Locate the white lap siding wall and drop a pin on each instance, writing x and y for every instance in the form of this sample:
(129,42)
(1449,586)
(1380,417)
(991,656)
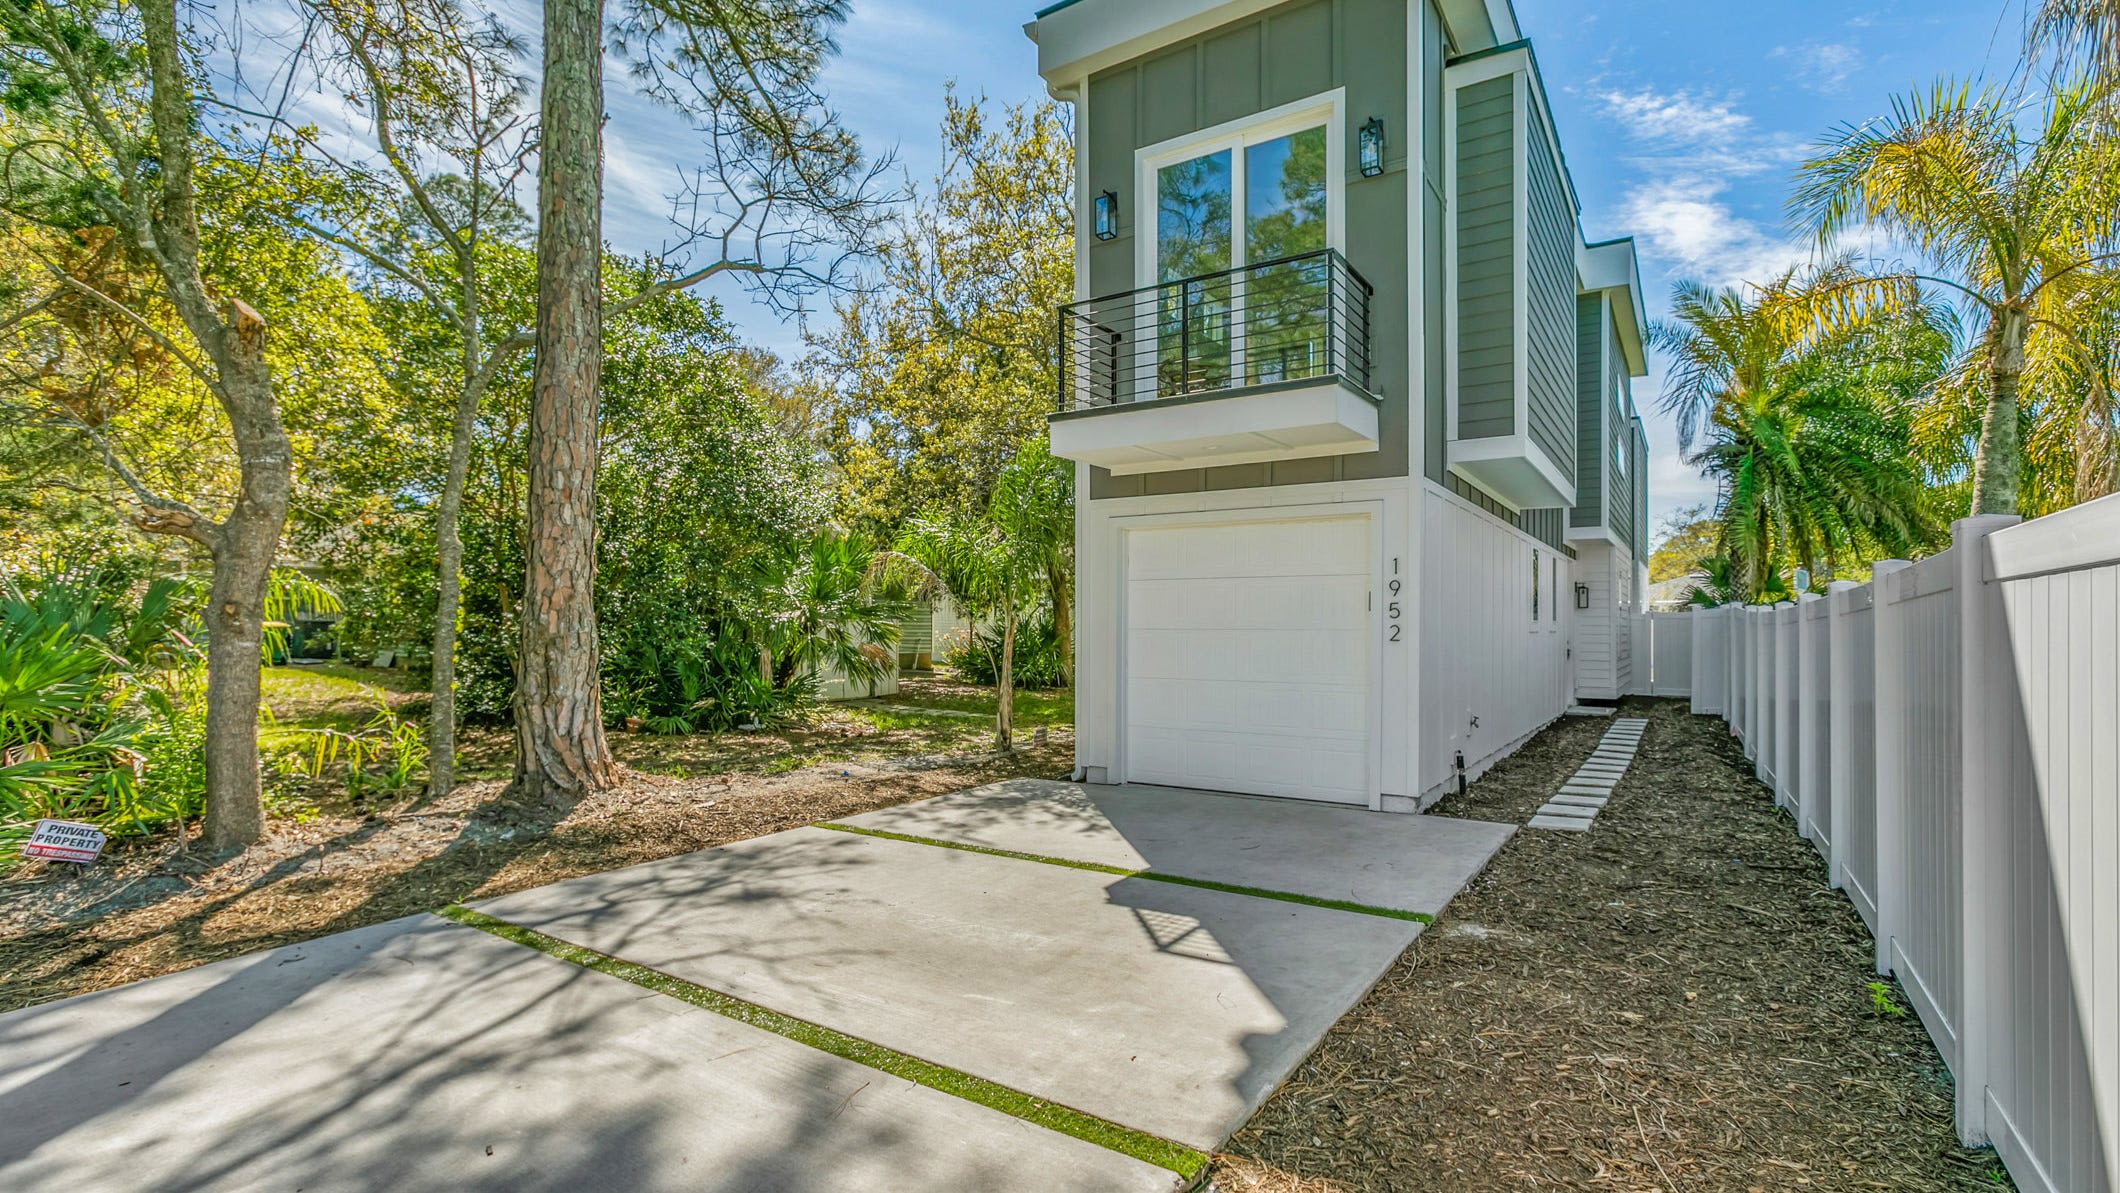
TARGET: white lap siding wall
(1483,656)
(1604,656)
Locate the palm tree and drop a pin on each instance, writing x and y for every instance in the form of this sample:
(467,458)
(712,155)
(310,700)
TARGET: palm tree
(1000,566)
(2068,28)
(1037,493)
(2017,223)
(1810,472)
(1715,584)
(1800,391)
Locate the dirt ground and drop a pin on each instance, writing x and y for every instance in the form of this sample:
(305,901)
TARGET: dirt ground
(1674,1000)
(152,907)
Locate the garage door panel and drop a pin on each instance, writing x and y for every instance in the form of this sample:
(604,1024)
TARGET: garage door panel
(1289,766)
(1268,710)
(1248,653)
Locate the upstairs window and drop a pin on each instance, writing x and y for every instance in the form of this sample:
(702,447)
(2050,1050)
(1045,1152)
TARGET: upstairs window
(1230,203)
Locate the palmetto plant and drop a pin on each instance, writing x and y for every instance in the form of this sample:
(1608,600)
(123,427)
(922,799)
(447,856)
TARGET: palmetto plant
(1716,584)
(82,696)
(829,614)
(2017,223)
(387,752)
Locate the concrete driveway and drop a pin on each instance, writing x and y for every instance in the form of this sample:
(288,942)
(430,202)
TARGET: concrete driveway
(1026,985)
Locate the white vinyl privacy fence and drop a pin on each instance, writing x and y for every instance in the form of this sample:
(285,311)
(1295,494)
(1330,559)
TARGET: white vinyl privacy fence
(1663,654)
(1948,736)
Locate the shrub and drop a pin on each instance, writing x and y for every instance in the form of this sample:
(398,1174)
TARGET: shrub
(102,710)
(1038,663)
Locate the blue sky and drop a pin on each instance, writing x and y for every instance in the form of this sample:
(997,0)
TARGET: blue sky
(1681,122)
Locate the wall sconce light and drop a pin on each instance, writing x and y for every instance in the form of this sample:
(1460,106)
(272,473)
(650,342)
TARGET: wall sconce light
(1582,595)
(1105,215)
(1372,147)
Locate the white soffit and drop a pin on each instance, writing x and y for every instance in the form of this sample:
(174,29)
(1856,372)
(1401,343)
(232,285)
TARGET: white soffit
(1610,266)
(1085,36)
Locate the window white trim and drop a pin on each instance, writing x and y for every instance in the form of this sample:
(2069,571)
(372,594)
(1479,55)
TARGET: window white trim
(1234,135)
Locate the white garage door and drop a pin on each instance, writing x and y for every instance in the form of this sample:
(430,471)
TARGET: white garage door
(1247,658)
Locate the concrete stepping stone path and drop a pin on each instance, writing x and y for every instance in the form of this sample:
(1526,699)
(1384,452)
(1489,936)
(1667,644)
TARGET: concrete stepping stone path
(1575,806)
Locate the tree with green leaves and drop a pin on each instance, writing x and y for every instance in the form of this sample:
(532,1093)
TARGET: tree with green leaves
(935,378)
(120,198)
(2077,32)
(2016,221)
(449,138)
(1686,537)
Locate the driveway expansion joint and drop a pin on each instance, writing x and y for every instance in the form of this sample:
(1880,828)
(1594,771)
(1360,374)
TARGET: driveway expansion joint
(1346,905)
(1188,1163)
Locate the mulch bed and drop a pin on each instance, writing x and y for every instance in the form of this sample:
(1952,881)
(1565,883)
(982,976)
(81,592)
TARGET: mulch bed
(154,908)
(1674,1000)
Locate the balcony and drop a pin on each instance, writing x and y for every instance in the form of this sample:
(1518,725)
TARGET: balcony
(1261,362)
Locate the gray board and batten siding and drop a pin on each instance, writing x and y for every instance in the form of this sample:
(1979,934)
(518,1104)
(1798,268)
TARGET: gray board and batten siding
(1549,357)
(1493,117)
(1226,74)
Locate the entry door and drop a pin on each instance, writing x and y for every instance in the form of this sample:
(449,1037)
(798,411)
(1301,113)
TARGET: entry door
(1247,658)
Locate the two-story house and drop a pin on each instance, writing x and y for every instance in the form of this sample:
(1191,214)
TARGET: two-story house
(1360,481)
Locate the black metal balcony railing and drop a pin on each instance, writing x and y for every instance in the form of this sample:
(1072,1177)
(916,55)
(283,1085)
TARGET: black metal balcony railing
(1296,318)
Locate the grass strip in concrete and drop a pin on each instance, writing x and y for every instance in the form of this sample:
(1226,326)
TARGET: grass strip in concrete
(1205,884)
(1163,1153)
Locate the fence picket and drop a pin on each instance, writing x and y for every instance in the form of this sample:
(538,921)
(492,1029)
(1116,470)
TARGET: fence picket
(1949,737)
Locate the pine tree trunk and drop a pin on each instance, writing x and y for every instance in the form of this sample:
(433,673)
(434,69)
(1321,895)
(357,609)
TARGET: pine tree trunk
(561,753)
(1005,691)
(1995,467)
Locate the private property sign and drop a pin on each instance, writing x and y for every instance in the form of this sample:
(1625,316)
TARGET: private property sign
(64,841)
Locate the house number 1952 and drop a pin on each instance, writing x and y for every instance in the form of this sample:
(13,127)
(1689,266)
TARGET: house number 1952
(1391,604)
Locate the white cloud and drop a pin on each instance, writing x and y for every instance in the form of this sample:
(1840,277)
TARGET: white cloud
(1691,231)
(1822,66)
(1690,150)
(1676,118)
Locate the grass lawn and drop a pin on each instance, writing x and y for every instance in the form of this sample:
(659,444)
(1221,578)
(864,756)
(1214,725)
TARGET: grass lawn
(1055,706)
(330,696)
(346,697)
